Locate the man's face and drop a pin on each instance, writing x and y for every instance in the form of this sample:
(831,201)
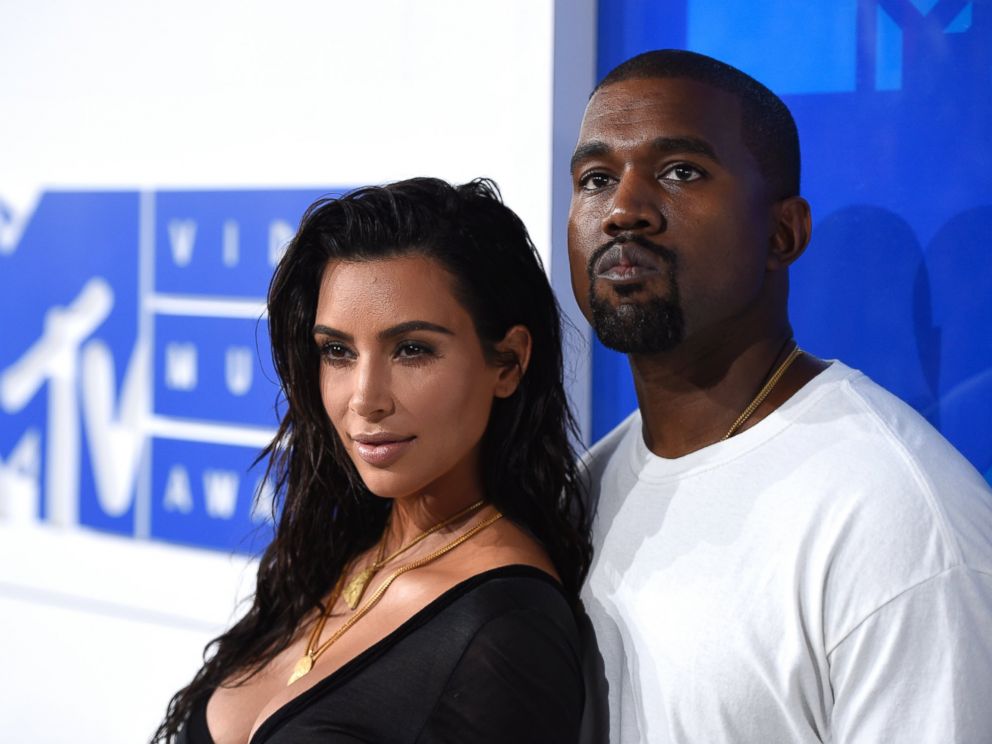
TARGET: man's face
(670,221)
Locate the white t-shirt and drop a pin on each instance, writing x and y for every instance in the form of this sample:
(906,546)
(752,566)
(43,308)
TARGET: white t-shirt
(824,576)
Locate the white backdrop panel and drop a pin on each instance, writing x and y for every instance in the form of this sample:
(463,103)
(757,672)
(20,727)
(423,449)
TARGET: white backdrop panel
(96,631)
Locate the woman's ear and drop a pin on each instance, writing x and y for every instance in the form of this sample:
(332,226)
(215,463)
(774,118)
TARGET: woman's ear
(791,232)
(516,343)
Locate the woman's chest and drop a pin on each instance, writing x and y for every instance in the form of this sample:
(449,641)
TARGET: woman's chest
(235,711)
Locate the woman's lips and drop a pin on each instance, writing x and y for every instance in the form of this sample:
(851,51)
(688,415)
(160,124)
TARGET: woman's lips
(382,453)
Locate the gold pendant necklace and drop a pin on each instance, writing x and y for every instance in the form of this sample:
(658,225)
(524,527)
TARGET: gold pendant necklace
(355,588)
(313,652)
(353,592)
(304,665)
(763,393)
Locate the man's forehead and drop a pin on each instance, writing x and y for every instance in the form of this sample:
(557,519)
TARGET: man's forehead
(661,103)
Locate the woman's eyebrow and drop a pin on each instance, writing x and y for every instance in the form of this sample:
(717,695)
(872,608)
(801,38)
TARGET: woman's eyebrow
(391,332)
(332,332)
(413,325)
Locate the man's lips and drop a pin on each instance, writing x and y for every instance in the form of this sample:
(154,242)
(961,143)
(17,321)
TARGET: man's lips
(626,262)
(381,449)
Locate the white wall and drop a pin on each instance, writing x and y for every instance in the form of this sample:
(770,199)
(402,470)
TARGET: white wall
(297,93)
(96,632)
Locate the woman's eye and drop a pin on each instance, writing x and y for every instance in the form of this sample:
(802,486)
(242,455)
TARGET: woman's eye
(682,172)
(335,353)
(412,350)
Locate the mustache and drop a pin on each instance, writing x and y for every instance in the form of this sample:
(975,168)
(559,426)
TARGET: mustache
(666,254)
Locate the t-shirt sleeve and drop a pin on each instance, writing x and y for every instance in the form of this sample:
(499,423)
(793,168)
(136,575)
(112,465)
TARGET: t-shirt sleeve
(919,668)
(518,681)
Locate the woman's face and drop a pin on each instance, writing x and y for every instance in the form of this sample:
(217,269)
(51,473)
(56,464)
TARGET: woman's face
(403,377)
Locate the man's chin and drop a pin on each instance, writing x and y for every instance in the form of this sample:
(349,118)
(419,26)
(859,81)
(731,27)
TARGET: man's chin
(651,327)
(629,345)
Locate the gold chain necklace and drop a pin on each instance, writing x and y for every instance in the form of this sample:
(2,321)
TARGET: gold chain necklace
(313,652)
(763,393)
(353,592)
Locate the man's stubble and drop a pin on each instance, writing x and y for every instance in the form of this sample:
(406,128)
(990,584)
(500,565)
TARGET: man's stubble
(649,326)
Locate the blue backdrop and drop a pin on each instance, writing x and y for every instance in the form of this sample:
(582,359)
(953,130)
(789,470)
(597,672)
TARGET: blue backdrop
(893,99)
(135,347)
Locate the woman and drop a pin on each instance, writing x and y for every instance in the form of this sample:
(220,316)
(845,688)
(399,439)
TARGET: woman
(432,538)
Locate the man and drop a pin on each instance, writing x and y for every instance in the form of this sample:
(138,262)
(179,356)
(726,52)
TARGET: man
(784,551)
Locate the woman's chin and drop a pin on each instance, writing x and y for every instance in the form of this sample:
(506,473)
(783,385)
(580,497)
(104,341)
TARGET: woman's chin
(385,487)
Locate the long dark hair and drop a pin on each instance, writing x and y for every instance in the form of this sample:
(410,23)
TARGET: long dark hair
(327,514)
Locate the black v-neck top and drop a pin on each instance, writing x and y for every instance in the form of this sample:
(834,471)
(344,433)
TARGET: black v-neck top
(494,659)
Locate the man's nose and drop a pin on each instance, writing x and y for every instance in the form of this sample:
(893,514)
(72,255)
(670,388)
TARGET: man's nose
(636,206)
(371,396)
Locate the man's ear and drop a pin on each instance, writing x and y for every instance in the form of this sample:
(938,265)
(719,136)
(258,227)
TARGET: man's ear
(516,344)
(791,231)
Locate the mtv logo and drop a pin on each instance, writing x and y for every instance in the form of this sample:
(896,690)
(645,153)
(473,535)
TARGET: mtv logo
(135,378)
(821,46)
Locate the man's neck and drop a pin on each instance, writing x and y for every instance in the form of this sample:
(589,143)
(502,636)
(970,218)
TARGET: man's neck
(690,397)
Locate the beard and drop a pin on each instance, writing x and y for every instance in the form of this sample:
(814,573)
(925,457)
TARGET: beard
(649,327)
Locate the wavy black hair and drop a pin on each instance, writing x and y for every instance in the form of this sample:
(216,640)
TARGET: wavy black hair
(327,515)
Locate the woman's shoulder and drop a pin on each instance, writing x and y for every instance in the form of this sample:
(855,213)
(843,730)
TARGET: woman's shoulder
(518,673)
(504,543)
(510,589)
(517,602)
(507,572)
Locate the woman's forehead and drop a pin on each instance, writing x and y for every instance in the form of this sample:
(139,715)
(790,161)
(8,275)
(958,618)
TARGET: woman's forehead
(387,290)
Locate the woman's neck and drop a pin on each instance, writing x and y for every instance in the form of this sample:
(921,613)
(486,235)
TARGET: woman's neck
(413,515)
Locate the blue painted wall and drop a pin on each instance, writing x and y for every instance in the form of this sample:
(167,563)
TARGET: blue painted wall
(893,99)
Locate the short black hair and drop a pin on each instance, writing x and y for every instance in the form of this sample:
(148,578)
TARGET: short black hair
(769,131)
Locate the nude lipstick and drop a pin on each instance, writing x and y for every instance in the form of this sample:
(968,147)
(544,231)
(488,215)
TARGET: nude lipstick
(381,449)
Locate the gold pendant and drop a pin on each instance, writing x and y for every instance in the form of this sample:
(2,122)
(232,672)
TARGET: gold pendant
(303,666)
(352,593)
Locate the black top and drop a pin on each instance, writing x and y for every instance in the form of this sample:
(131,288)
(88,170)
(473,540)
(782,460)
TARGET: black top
(494,659)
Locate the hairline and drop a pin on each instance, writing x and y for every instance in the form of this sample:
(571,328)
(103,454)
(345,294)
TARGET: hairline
(738,98)
(738,95)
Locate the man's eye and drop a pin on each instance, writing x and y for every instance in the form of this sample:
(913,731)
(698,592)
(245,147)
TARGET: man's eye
(682,172)
(593,181)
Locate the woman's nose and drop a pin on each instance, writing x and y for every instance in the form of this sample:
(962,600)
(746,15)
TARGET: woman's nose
(371,397)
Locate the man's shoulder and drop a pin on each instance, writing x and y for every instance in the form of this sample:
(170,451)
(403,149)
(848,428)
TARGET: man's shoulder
(609,451)
(881,432)
(877,457)
(619,440)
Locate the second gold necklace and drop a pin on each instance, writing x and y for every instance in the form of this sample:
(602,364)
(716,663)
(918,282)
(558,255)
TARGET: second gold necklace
(353,591)
(314,651)
(763,393)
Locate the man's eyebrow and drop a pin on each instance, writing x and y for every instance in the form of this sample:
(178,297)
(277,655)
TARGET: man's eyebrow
(695,145)
(664,145)
(391,332)
(592,149)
